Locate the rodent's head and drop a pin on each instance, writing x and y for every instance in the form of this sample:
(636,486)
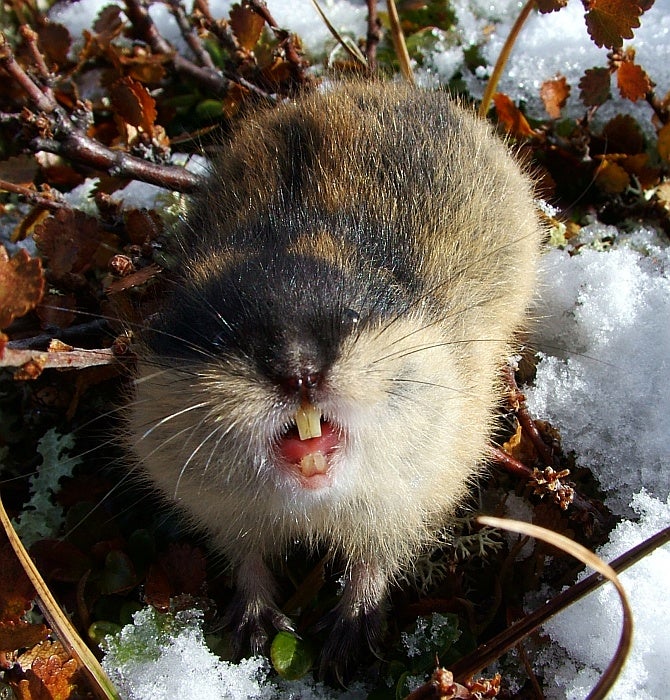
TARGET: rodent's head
(310,368)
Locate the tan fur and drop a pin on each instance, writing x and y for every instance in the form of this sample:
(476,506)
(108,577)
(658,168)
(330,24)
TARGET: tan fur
(412,447)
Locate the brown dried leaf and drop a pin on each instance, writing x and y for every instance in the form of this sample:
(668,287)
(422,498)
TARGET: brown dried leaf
(623,135)
(609,22)
(50,674)
(68,240)
(143,225)
(21,285)
(247,26)
(134,279)
(545,6)
(633,81)
(594,87)
(21,635)
(30,370)
(54,41)
(611,177)
(16,590)
(664,142)
(510,117)
(638,165)
(26,226)
(554,94)
(109,22)
(134,104)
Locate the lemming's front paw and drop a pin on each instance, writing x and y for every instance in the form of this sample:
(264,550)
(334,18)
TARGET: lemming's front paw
(351,638)
(253,625)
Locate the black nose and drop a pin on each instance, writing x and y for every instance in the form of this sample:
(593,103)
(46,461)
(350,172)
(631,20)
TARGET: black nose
(302,383)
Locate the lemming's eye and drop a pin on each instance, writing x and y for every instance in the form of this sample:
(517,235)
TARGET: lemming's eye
(351,317)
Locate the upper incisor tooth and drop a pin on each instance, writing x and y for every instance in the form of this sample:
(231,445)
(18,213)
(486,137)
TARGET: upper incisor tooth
(308,421)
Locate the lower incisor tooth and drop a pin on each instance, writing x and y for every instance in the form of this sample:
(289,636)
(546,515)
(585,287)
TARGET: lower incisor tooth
(314,463)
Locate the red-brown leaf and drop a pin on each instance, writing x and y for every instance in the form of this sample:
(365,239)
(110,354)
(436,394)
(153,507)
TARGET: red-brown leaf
(16,590)
(54,41)
(68,240)
(109,22)
(545,6)
(594,87)
(623,135)
(554,94)
(247,26)
(609,22)
(510,117)
(21,285)
(50,673)
(134,104)
(633,81)
(664,142)
(611,177)
(21,634)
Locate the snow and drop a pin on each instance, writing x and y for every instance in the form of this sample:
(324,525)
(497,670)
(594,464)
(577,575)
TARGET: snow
(604,379)
(603,326)
(163,657)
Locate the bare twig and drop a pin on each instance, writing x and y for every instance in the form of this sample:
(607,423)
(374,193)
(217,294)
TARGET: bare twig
(190,36)
(493,649)
(518,400)
(373,36)
(502,58)
(46,200)
(67,140)
(77,358)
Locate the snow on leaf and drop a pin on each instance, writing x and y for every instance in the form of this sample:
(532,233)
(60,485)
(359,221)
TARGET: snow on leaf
(594,87)
(247,25)
(633,81)
(554,94)
(21,285)
(609,22)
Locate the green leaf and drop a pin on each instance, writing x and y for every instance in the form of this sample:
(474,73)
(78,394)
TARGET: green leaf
(291,656)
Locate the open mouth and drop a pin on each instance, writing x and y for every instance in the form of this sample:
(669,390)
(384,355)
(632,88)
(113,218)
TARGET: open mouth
(307,445)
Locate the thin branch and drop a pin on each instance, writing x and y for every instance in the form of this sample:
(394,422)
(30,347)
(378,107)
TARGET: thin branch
(494,648)
(46,200)
(374,35)
(44,102)
(77,358)
(502,58)
(518,400)
(67,140)
(190,36)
